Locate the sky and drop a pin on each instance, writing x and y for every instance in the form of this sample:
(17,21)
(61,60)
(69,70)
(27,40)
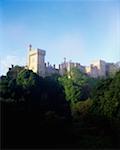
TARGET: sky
(80,30)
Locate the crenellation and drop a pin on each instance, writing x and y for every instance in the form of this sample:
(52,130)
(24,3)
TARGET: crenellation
(98,68)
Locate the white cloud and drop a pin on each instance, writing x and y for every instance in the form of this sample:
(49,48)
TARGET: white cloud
(6,62)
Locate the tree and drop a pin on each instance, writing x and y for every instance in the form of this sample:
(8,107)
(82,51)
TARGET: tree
(81,109)
(4,90)
(30,83)
(8,88)
(106,100)
(78,87)
(13,72)
(54,97)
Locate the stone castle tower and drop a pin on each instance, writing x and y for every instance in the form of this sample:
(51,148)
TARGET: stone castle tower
(36,60)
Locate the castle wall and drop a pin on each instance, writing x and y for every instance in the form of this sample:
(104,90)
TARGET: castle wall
(33,59)
(36,61)
(98,68)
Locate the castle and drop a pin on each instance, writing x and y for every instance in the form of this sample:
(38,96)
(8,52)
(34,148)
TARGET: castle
(98,68)
(36,62)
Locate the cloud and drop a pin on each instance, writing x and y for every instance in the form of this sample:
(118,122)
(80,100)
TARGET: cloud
(6,62)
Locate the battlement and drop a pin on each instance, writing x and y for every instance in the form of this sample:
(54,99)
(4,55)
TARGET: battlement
(36,62)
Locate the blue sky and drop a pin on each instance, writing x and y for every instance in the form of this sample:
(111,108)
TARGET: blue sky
(79,30)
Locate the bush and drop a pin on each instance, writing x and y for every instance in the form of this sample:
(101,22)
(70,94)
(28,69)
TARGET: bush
(81,109)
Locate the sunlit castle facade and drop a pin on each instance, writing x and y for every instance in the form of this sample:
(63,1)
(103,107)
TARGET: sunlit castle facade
(98,68)
(66,67)
(101,67)
(111,68)
(36,60)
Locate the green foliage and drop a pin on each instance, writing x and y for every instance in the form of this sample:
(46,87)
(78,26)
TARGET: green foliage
(78,87)
(106,100)
(54,97)
(4,91)
(13,72)
(36,93)
(27,79)
(9,91)
(44,109)
(81,109)
(78,76)
(72,91)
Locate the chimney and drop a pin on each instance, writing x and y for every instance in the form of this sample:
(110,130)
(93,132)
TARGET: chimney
(30,47)
(64,60)
(48,64)
(9,69)
(12,66)
(54,66)
(59,66)
(45,65)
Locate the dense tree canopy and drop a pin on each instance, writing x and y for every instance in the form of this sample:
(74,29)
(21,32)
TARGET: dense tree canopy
(76,109)
(106,99)
(38,93)
(78,87)
(13,72)
(4,91)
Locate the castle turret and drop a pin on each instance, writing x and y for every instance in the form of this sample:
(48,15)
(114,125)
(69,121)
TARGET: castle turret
(36,60)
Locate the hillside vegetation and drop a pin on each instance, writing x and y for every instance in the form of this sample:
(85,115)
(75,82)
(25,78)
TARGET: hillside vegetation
(59,112)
